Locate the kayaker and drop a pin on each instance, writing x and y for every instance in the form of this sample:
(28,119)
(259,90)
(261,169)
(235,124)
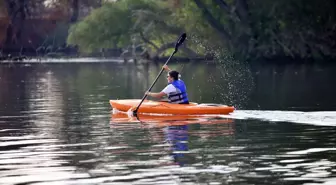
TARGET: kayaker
(176,90)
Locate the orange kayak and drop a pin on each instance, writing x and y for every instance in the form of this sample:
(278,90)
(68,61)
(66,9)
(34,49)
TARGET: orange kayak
(158,107)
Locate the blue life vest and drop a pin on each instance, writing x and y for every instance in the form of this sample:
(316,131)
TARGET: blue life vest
(180,95)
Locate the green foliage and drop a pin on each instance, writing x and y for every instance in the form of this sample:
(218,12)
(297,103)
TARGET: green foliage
(247,29)
(102,29)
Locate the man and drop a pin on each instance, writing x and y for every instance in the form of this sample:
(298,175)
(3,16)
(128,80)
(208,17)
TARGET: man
(176,90)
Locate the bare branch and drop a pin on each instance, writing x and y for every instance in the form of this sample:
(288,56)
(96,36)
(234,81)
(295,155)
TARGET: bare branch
(148,41)
(223,5)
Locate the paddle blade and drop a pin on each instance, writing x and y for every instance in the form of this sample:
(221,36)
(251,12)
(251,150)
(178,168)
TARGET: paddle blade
(180,41)
(131,112)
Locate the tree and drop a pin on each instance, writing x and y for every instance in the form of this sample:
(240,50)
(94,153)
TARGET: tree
(121,23)
(246,29)
(32,23)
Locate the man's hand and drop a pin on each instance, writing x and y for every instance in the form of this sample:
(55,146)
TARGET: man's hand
(165,67)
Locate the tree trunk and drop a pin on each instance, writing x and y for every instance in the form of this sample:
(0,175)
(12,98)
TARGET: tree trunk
(10,4)
(242,11)
(21,20)
(9,35)
(17,15)
(213,21)
(75,11)
(223,5)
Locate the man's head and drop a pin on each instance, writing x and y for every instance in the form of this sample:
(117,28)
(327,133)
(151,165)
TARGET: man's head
(172,75)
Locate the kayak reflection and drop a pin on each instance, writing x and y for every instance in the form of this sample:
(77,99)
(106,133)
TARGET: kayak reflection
(167,120)
(177,130)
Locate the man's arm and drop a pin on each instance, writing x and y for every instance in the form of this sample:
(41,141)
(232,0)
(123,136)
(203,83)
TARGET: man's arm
(168,89)
(156,95)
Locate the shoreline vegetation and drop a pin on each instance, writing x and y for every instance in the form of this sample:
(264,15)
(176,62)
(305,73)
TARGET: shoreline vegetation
(247,30)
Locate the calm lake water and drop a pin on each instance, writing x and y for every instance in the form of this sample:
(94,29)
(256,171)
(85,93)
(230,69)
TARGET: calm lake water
(57,127)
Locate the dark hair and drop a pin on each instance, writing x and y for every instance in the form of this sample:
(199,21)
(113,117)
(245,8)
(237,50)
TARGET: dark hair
(174,74)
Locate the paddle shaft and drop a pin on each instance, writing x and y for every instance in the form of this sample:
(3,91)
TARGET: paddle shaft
(157,77)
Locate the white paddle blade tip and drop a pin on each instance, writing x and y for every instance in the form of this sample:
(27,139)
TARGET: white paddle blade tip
(130,112)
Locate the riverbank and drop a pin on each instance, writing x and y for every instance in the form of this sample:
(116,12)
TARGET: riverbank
(52,58)
(97,58)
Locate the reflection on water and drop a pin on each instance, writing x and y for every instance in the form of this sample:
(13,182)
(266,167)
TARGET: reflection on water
(56,127)
(294,87)
(177,137)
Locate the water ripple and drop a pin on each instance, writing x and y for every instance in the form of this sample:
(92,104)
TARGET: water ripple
(56,128)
